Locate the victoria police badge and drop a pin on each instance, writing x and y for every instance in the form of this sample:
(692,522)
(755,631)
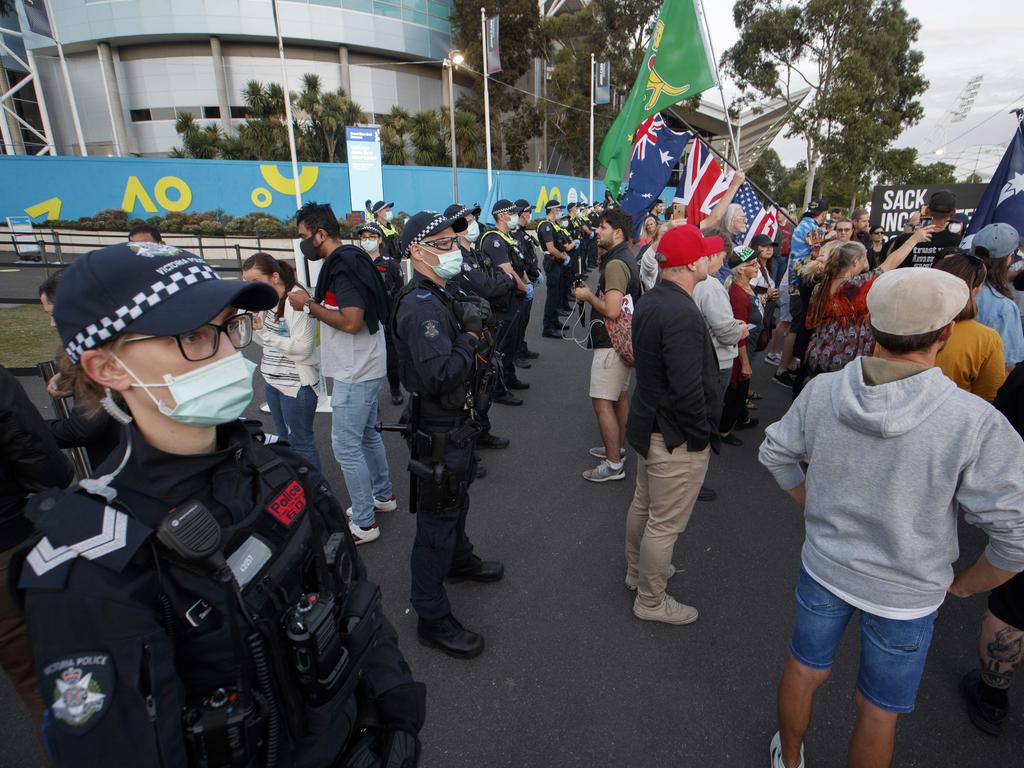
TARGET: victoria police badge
(83,686)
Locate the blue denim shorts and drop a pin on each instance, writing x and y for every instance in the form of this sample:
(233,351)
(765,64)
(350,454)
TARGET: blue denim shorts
(892,652)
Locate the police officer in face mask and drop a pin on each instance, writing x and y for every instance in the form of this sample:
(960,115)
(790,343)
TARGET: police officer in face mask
(531,263)
(437,338)
(200,601)
(383,213)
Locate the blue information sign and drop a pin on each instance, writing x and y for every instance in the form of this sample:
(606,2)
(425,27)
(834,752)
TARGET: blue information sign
(365,169)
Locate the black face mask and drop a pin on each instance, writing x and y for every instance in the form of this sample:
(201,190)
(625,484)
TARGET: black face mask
(309,249)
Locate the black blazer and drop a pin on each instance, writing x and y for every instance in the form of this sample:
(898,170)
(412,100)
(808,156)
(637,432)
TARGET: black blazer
(677,385)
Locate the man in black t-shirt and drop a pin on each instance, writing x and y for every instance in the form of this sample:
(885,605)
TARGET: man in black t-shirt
(941,208)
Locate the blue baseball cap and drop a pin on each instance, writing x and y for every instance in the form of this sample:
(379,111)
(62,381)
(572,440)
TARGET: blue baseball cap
(150,288)
(999,239)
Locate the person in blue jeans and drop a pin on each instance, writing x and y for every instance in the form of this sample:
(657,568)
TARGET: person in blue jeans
(881,533)
(352,306)
(290,364)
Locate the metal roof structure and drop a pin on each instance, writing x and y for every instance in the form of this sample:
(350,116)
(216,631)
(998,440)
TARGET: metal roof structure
(756,127)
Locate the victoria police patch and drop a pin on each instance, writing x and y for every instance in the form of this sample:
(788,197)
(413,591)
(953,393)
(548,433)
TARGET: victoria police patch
(431,329)
(81,689)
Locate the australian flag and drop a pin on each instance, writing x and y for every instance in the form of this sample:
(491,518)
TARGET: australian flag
(1003,200)
(656,152)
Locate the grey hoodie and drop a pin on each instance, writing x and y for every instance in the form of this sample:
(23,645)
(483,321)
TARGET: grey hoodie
(890,465)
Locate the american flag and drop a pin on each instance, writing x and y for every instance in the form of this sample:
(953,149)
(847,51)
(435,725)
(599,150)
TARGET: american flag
(760,220)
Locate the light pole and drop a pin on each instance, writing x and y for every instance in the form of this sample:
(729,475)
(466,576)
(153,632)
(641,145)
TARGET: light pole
(453,60)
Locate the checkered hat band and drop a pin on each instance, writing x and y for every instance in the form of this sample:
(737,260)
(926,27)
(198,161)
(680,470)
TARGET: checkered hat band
(106,328)
(510,209)
(428,229)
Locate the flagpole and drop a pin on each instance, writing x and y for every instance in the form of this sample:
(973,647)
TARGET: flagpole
(67,81)
(591,198)
(287,107)
(487,94)
(718,82)
(730,165)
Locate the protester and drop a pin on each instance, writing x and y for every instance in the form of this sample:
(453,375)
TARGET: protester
(650,229)
(290,363)
(843,230)
(30,461)
(746,309)
(734,221)
(876,247)
(389,264)
(996,244)
(609,374)
(765,287)
(351,304)
(673,420)
(144,233)
(861,226)
(937,214)
(882,539)
(806,242)
(838,311)
(973,356)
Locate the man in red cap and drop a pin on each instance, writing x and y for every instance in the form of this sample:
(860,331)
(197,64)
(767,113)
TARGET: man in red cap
(673,419)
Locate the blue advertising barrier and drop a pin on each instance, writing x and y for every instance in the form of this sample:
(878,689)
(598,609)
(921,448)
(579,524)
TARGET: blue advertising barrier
(47,188)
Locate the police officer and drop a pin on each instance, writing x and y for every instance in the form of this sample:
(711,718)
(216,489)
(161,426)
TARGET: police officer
(437,339)
(383,213)
(528,248)
(200,601)
(557,244)
(372,239)
(502,250)
(479,277)
(594,219)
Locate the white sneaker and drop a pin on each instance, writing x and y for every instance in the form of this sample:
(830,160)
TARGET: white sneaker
(775,752)
(379,505)
(604,472)
(631,584)
(773,358)
(602,453)
(364,535)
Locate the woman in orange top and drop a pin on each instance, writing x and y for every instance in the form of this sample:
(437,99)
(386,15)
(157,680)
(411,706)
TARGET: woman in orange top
(973,356)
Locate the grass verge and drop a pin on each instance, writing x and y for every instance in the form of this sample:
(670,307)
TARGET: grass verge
(26,337)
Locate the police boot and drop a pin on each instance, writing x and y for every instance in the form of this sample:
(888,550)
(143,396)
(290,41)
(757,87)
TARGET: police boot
(449,636)
(476,569)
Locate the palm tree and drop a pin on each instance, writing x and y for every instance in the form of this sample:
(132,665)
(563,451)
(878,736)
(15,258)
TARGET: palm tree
(429,142)
(338,110)
(393,130)
(202,142)
(469,139)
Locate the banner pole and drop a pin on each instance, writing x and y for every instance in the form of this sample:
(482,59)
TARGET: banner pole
(67,82)
(487,95)
(287,107)
(718,82)
(592,64)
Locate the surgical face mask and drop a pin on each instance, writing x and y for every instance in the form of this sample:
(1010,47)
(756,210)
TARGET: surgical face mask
(955,227)
(310,249)
(449,263)
(513,223)
(473,231)
(217,393)
(388,214)
(368,245)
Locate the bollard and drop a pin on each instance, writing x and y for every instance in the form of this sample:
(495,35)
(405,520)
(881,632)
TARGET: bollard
(238,257)
(200,239)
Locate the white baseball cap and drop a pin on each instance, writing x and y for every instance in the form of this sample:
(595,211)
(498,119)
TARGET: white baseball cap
(909,302)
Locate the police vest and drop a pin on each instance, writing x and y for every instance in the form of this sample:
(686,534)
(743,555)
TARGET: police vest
(515,255)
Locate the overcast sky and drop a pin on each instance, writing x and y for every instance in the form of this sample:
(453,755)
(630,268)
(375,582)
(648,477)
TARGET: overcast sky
(959,40)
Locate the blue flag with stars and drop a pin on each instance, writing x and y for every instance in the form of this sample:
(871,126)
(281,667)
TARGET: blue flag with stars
(1003,200)
(656,152)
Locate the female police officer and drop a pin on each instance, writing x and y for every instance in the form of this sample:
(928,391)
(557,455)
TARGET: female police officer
(200,601)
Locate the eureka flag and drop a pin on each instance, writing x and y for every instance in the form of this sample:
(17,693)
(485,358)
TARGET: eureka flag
(677,65)
(1003,200)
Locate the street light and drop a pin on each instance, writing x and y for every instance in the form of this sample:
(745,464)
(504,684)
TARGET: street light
(453,60)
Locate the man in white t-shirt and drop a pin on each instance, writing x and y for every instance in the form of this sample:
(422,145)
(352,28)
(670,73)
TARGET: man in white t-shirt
(352,307)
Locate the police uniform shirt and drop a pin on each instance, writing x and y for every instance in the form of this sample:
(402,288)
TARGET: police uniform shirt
(546,233)
(496,249)
(440,353)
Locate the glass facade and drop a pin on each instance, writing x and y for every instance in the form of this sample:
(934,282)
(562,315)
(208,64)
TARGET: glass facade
(434,14)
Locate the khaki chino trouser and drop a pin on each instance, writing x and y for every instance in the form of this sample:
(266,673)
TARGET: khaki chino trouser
(667,485)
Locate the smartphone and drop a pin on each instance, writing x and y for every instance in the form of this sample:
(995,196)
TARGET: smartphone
(925,222)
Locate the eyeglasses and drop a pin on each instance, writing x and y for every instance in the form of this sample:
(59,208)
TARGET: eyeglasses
(442,243)
(202,343)
(844,229)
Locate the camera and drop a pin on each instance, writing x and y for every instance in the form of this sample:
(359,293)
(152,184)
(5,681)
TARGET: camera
(318,656)
(225,729)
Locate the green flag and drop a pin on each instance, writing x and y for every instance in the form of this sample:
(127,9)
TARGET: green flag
(676,66)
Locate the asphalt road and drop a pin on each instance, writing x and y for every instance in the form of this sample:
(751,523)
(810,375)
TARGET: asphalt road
(569,677)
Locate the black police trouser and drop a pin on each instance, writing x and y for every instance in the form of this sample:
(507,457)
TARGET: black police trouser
(524,320)
(441,542)
(553,277)
(509,343)
(568,273)
(392,362)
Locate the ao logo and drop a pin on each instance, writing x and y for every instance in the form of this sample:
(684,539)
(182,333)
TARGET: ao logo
(571,196)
